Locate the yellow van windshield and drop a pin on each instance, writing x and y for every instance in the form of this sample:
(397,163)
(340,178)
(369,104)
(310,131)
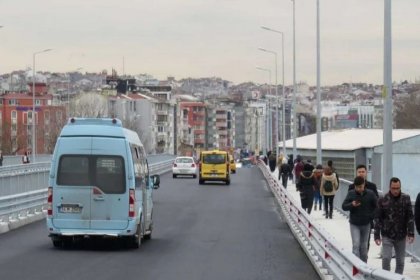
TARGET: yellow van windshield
(214,159)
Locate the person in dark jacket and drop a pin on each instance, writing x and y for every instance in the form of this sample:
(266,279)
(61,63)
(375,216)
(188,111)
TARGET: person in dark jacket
(417,213)
(362,172)
(284,172)
(306,187)
(272,161)
(298,168)
(394,222)
(361,203)
(290,162)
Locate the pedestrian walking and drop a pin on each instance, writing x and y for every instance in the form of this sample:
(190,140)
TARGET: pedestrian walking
(306,187)
(25,158)
(298,168)
(317,193)
(361,203)
(290,163)
(272,161)
(417,213)
(394,225)
(284,172)
(333,170)
(328,188)
(361,171)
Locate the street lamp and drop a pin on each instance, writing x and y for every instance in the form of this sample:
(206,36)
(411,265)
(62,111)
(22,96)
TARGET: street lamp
(387,96)
(294,86)
(33,104)
(269,139)
(277,101)
(318,89)
(284,97)
(68,90)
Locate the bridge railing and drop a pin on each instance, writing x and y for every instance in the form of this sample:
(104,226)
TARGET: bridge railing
(329,259)
(23,190)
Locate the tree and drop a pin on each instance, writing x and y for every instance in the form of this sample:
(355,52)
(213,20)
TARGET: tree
(406,112)
(89,105)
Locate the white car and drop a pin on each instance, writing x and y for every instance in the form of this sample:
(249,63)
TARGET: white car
(184,166)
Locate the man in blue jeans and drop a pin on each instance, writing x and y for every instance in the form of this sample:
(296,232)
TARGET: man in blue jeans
(394,221)
(361,203)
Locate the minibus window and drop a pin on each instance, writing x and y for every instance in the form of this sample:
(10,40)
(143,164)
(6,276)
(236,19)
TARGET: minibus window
(109,174)
(73,171)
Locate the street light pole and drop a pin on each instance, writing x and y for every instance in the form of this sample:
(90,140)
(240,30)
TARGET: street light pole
(387,96)
(283,94)
(33,104)
(318,89)
(268,112)
(277,101)
(294,86)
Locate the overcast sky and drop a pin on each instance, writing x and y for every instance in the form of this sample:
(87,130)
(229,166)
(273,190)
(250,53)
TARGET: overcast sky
(204,38)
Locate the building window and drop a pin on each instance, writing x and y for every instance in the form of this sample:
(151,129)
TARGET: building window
(37,102)
(12,102)
(160,129)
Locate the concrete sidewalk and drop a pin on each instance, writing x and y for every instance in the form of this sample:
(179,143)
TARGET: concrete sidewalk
(339,227)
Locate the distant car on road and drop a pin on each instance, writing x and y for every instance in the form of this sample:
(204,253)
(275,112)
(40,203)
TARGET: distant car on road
(184,166)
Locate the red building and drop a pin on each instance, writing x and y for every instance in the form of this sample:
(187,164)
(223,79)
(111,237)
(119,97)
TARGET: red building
(16,121)
(192,125)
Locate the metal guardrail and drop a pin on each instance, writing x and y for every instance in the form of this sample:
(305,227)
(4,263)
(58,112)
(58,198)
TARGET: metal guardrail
(20,203)
(330,260)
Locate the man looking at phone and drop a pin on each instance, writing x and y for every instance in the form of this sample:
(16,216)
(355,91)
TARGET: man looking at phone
(361,203)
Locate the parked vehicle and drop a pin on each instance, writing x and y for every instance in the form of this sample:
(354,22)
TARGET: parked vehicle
(232,164)
(99,184)
(214,166)
(184,166)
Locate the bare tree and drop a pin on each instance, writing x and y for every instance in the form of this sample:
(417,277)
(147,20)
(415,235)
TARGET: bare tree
(406,111)
(90,105)
(144,137)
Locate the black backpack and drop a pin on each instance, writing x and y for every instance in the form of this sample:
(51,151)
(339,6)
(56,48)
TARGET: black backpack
(328,186)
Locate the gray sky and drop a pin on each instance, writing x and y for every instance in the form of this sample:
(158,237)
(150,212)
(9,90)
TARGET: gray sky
(203,38)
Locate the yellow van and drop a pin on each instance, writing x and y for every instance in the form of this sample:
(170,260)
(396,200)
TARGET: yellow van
(232,164)
(214,166)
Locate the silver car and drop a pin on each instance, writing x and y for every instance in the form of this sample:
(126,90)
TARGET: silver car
(184,166)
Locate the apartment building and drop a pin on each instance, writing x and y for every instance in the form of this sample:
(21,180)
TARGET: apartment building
(191,128)
(17,120)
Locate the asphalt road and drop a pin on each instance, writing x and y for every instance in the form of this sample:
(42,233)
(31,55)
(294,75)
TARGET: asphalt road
(210,231)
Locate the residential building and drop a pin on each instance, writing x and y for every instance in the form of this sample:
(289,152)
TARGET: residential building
(191,128)
(16,121)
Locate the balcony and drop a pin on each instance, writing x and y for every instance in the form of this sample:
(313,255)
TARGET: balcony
(161,112)
(199,113)
(198,141)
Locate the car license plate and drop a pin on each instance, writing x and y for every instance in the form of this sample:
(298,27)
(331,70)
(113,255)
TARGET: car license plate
(70,209)
(213,175)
